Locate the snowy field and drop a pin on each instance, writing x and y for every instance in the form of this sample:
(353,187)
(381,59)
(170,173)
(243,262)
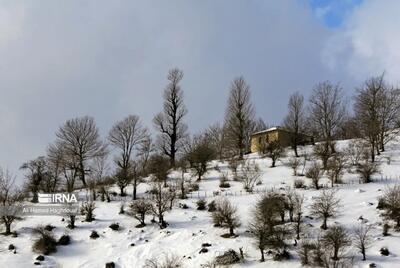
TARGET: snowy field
(189,228)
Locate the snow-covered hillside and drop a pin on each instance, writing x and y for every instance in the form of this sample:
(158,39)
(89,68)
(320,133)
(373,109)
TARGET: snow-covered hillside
(189,228)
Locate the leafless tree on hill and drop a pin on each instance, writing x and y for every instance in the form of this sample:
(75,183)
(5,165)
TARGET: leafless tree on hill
(170,122)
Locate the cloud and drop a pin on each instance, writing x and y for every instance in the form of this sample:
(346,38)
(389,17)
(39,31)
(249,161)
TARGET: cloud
(369,42)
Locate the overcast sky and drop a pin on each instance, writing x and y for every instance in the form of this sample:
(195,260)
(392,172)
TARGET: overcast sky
(62,59)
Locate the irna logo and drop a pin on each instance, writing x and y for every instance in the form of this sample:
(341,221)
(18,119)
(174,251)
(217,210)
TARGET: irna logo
(58,198)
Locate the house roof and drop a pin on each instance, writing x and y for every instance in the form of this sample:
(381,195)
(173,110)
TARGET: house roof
(268,130)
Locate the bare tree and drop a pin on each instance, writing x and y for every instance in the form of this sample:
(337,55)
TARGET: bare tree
(217,138)
(159,167)
(250,174)
(336,166)
(200,152)
(10,198)
(264,224)
(294,164)
(140,164)
(170,121)
(274,150)
(325,206)
(226,215)
(37,171)
(367,107)
(298,204)
(80,140)
(239,116)
(87,209)
(337,240)
(324,152)
(160,202)
(99,168)
(327,111)
(391,201)
(125,135)
(366,169)
(362,238)
(295,119)
(314,172)
(139,209)
(69,166)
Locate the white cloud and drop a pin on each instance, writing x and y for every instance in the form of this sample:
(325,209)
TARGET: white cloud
(369,42)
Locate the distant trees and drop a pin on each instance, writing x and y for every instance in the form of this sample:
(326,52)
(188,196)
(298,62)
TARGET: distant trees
(325,206)
(126,135)
(170,122)
(327,112)
(10,197)
(80,140)
(239,116)
(295,119)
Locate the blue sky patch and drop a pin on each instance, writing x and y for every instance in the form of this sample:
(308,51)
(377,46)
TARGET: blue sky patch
(332,13)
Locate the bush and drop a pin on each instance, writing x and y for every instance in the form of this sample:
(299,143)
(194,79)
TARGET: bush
(114,226)
(45,243)
(227,258)
(167,261)
(87,210)
(298,183)
(385,231)
(384,251)
(194,187)
(201,204)
(391,199)
(64,240)
(94,235)
(225,215)
(366,169)
(223,182)
(49,227)
(212,206)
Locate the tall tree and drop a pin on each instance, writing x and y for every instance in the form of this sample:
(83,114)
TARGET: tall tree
(327,112)
(81,140)
(170,121)
(126,135)
(367,106)
(295,119)
(239,117)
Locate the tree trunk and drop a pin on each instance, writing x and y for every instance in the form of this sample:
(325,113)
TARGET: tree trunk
(262,255)
(231,231)
(8,228)
(324,225)
(134,185)
(363,253)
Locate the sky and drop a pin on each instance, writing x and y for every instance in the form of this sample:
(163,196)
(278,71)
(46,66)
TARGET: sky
(109,59)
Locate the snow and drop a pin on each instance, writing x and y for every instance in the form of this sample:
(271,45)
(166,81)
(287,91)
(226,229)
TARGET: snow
(189,228)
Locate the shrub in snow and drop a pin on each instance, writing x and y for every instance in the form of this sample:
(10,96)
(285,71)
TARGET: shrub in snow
(167,261)
(225,215)
(64,240)
(201,204)
(336,166)
(227,258)
(194,187)
(366,169)
(114,226)
(49,227)
(110,265)
(139,209)
(363,239)
(212,206)
(249,175)
(11,247)
(385,230)
(94,235)
(40,258)
(384,251)
(298,183)
(304,252)
(45,243)
(294,163)
(223,181)
(87,209)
